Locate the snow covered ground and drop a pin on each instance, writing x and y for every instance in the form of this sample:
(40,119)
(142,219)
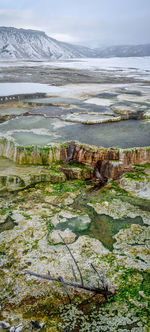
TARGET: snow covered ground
(7,89)
(130,63)
(139,63)
(67,91)
(124,67)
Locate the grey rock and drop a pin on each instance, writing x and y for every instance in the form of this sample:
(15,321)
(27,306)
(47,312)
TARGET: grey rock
(19,328)
(12,329)
(4,325)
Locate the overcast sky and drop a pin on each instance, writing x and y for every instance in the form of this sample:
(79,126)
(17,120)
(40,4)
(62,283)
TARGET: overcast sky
(87,22)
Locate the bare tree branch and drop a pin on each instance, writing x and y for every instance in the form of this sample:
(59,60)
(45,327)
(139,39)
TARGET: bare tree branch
(101,277)
(65,288)
(73,272)
(97,290)
(73,259)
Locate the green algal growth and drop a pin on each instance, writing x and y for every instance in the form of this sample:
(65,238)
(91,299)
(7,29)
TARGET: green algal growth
(143,167)
(136,176)
(128,151)
(44,155)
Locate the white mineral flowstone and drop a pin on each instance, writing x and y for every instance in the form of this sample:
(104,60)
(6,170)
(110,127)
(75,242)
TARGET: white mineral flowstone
(67,235)
(139,188)
(132,247)
(70,217)
(91,118)
(147,114)
(126,109)
(70,199)
(134,98)
(99,101)
(30,249)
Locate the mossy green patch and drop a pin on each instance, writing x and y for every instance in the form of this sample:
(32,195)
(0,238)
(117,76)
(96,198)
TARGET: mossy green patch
(69,186)
(109,258)
(3,140)
(50,227)
(136,176)
(35,244)
(131,285)
(64,145)
(128,151)
(108,193)
(142,167)
(43,308)
(113,191)
(27,216)
(3,211)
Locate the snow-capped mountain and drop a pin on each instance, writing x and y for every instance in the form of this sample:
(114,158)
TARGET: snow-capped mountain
(33,44)
(123,51)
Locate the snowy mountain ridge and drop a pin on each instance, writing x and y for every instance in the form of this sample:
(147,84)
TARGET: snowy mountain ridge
(123,51)
(34,44)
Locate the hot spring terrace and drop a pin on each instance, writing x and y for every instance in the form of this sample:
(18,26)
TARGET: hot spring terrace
(82,123)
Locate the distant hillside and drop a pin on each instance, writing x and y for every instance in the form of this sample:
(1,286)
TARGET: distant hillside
(34,44)
(123,51)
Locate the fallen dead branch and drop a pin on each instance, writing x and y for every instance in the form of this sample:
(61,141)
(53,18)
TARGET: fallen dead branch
(81,285)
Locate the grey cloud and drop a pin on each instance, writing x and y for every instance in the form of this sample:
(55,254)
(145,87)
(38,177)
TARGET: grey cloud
(86,30)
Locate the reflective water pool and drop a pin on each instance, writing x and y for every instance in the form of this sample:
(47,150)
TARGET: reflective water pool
(37,130)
